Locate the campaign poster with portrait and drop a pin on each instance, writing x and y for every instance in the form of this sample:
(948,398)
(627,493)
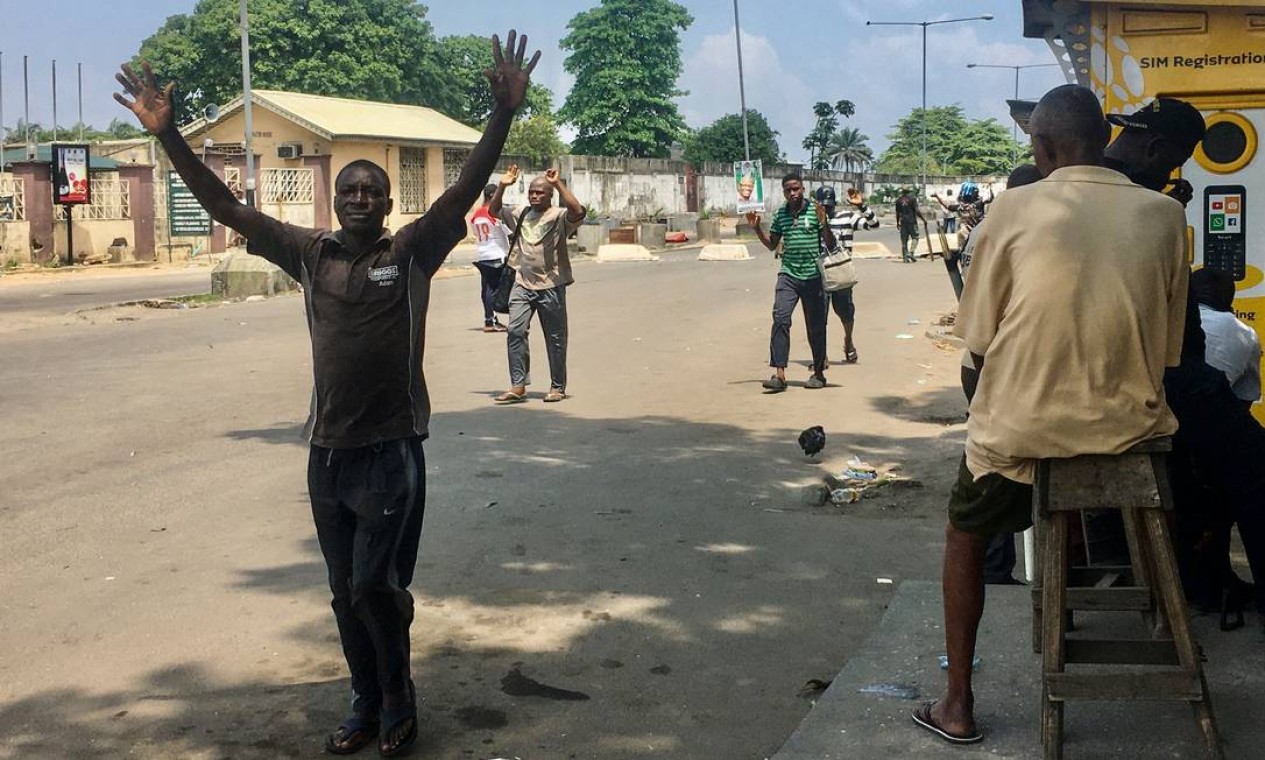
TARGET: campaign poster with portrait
(71,183)
(749,186)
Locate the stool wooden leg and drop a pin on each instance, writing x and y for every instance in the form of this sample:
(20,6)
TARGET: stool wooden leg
(1168,587)
(1053,602)
(1143,563)
(1039,529)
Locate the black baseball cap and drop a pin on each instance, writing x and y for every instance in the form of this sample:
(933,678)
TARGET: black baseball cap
(825,195)
(1175,120)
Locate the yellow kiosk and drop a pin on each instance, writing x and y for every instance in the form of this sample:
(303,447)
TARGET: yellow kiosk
(1210,53)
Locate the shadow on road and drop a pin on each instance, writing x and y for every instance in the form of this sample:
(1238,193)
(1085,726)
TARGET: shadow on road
(667,569)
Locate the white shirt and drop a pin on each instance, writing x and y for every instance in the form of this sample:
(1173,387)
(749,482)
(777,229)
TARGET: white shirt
(493,238)
(1235,349)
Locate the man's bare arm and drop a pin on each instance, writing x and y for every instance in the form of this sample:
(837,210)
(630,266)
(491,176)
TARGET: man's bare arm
(508,79)
(769,241)
(153,107)
(497,201)
(575,209)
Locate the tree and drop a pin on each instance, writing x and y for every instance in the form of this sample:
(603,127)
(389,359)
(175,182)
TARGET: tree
(382,50)
(827,122)
(535,137)
(722,140)
(122,130)
(847,149)
(465,57)
(955,145)
(626,58)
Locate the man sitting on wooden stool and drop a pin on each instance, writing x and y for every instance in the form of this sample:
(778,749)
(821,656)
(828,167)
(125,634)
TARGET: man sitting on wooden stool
(1074,306)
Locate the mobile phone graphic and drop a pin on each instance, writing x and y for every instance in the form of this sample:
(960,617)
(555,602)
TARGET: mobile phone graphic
(1225,217)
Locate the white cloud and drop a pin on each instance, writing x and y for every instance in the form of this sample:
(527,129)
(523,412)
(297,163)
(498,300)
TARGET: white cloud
(772,88)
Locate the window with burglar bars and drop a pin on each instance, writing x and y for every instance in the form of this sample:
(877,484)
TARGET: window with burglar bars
(286,186)
(12,199)
(233,178)
(412,180)
(454,159)
(111,199)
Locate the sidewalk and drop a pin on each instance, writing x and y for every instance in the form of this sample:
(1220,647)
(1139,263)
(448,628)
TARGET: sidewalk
(905,648)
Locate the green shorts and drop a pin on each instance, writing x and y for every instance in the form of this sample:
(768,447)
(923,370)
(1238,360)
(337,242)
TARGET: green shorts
(993,504)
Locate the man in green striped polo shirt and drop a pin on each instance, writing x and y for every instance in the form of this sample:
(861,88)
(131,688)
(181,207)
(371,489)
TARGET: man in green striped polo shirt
(801,227)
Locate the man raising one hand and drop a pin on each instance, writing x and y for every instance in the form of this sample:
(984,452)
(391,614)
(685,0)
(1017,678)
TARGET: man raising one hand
(802,227)
(366,292)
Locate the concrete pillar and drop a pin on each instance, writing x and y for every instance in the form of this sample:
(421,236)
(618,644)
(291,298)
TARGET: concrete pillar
(219,234)
(37,186)
(322,182)
(434,175)
(140,185)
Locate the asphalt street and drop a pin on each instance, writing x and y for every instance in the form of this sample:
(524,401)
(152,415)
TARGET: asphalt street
(645,543)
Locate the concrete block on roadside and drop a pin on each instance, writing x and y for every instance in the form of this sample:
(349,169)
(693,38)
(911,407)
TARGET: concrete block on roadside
(625,252)
(870,249)
(241,275)
(724,252)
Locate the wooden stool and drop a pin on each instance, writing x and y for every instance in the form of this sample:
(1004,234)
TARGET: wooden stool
(1136,484)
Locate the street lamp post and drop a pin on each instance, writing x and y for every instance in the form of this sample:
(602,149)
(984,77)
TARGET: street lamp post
(1014,131)
(924,25)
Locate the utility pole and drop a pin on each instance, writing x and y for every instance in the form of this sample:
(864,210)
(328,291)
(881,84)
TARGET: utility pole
(26,112)
(54,100)
(246,104)
(3,134)
(79,66)
(924,25)
(742,90)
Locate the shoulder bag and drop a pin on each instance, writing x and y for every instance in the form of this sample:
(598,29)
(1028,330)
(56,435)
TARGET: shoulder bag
(501,300)
(837,270)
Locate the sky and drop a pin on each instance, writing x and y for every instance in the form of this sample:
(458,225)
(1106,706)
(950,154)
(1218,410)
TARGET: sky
(821,51)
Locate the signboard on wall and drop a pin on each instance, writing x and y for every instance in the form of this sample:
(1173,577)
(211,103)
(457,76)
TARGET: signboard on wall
(185,215)
(72,185)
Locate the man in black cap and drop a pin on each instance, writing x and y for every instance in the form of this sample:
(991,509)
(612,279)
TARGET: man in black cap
(1156,139)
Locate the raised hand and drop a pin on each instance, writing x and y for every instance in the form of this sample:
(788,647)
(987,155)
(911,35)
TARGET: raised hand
(753,219)
(552,177)
(510,177)
(855,197)
(508,77)
(822,217)
(152,105)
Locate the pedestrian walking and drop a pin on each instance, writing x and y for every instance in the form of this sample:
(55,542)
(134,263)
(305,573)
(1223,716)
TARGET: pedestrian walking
(801,227)
(907,217)
(968,209)
(366,292)
(543,274)
(492,236)
(844,224)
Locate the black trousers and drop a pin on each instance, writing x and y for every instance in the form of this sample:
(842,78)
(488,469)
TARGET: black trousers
(489,280)
(812,298)
(368,505)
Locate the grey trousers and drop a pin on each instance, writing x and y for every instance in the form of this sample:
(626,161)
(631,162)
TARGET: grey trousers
(551,306)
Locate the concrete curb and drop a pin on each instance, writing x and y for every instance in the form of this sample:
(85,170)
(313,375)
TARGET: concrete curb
(621,252)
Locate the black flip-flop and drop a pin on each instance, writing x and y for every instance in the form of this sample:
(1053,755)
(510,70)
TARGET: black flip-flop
(391,719)
(922,716)
(356,733)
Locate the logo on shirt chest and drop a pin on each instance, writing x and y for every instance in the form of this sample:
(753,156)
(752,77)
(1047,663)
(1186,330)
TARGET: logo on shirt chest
(385,276)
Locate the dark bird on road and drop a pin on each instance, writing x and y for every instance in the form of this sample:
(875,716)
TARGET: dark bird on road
(813,440)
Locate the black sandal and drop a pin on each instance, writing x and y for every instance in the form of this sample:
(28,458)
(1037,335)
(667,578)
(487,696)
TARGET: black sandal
(392,720)
(356,733)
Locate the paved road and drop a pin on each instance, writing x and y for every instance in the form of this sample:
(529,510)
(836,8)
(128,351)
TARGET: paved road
(57,295)
(644,542)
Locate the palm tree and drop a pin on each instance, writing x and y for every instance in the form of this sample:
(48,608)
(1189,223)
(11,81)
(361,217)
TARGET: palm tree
(847,149)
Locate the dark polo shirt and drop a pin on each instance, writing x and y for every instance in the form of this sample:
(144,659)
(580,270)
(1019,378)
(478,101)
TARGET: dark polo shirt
(367,318)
